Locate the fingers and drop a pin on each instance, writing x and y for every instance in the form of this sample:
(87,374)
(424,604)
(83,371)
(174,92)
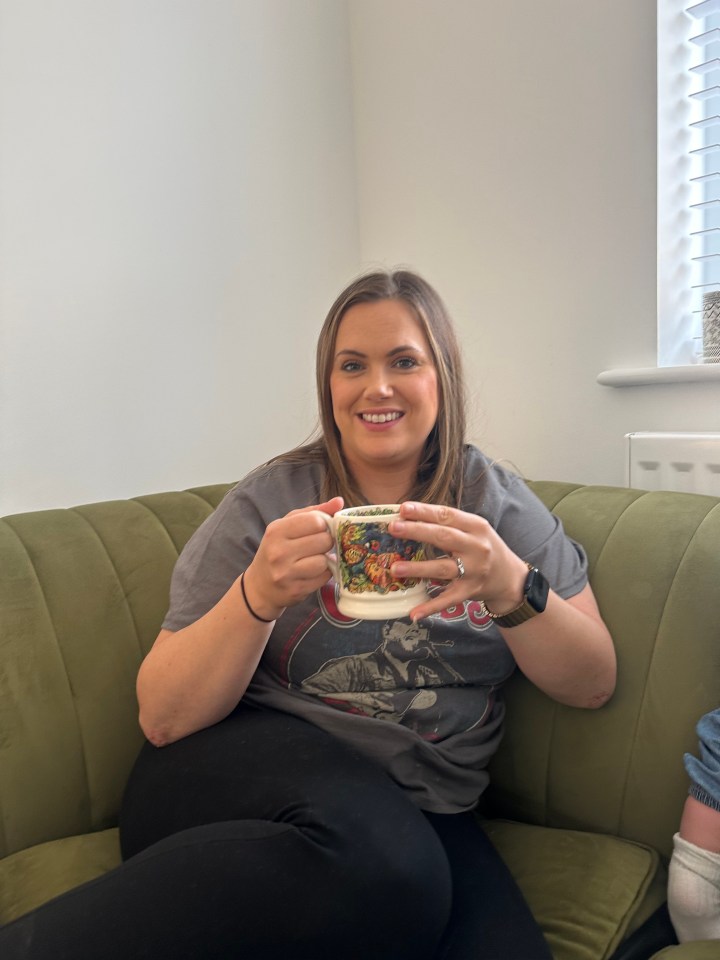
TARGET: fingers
(475,563)
(444,527)
(293,539)
(436,605)
(457,591)
(330,507)
(308,524)
(433,513)
(444,568)
(441,534)
(291,561)
(452,533)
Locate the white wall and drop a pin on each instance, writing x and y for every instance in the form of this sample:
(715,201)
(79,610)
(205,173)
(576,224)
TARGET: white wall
(507,151)
(178,189)
(177,212)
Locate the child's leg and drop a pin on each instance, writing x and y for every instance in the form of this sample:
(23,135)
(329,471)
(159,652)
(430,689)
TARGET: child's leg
(694,881)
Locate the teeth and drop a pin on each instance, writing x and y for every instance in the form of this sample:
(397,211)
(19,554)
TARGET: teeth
(380,417)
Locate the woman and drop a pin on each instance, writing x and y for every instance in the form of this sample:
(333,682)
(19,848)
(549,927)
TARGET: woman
(271,815)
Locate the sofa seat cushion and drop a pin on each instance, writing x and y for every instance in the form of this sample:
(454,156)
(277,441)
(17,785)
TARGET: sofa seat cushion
(697,950)
(586,890)
(32,876)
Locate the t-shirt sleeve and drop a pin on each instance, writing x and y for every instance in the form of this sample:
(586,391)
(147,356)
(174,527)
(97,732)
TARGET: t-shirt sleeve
(538,536)
(531,531)
(214,557)
(225,544)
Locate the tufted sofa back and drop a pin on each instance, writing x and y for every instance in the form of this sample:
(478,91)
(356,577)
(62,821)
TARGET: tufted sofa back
(655,569)
(83,592)
(82,595)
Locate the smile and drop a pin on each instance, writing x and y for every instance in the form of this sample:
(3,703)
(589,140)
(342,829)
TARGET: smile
(380,417)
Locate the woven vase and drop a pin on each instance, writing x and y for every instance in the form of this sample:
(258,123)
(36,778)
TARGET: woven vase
(711,327)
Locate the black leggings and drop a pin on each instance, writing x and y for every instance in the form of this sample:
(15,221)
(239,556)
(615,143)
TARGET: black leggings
(265,838)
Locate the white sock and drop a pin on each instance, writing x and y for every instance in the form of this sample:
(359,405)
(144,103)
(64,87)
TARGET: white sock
(694,891)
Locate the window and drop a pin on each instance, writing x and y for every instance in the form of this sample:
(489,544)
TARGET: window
(688,182)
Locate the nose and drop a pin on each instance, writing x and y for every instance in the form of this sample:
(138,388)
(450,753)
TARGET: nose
(378,385)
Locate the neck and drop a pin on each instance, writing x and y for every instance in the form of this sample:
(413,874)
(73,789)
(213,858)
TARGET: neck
(384,486)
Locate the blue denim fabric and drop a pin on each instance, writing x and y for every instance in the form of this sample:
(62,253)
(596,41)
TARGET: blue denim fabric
(704,771)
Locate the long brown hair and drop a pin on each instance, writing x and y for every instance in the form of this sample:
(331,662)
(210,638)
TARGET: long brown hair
(440,472)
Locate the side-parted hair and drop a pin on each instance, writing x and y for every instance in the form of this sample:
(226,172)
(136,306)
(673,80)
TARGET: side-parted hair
(440,472)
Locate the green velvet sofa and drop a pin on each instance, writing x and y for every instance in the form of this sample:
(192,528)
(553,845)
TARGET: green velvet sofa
(583,804)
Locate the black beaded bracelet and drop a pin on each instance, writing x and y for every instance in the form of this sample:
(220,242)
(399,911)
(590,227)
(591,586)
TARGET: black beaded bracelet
(247,602)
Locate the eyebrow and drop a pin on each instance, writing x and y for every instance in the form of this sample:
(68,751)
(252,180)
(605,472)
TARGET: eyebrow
(406,348)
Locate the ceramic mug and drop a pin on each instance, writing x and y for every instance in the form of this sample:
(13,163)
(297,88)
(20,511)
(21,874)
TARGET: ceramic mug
(364,552)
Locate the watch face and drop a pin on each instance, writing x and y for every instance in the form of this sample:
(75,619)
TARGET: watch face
(536,590)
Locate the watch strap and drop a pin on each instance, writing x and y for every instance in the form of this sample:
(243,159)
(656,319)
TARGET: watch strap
(534,600)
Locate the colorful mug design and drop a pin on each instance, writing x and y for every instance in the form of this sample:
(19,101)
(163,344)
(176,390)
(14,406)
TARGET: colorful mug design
(365,550)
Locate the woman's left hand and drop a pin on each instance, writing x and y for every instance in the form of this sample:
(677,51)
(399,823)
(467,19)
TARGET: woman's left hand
(476,563)
(567,651)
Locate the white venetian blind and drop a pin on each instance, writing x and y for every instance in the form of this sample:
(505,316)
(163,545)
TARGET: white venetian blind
(704,174)
(688,171)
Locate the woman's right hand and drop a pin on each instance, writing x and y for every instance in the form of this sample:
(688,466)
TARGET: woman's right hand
(193,677)
(291,561)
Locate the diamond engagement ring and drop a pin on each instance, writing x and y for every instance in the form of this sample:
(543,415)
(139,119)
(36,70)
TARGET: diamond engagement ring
(461,568)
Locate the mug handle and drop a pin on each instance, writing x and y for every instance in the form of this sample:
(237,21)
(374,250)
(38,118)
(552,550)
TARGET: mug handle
(330,557)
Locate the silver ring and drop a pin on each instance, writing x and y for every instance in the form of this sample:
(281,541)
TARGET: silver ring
(461,568)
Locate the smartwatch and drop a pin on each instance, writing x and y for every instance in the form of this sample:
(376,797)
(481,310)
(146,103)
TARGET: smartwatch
(534,601)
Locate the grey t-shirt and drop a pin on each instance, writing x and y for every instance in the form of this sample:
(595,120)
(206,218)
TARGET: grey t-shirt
(422,699)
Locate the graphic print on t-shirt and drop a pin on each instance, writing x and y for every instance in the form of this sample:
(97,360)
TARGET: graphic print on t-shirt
(435,676)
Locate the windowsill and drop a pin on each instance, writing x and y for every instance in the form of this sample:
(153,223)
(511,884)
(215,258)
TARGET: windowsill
(640,376)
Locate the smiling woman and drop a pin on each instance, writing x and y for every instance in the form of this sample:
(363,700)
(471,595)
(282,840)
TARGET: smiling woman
(398,295)
(314,791)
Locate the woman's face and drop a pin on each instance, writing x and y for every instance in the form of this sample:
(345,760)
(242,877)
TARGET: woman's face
(384,387)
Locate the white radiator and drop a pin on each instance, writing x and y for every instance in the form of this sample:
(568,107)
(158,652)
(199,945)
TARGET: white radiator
(674,461)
